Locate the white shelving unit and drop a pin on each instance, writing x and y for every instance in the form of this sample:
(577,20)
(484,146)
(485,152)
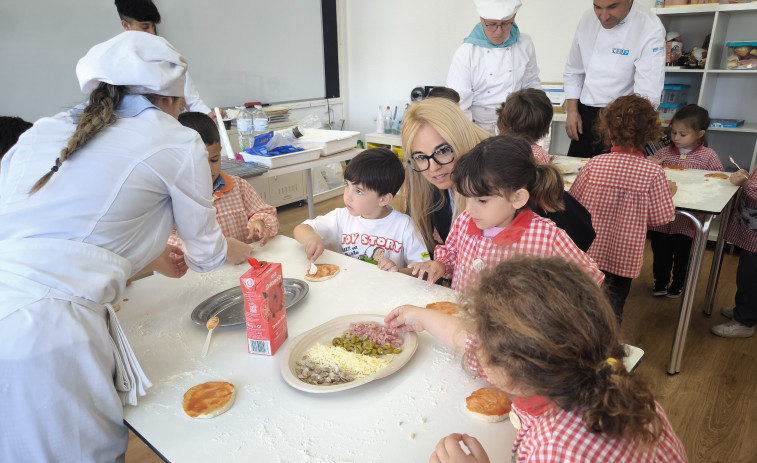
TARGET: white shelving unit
(726,94)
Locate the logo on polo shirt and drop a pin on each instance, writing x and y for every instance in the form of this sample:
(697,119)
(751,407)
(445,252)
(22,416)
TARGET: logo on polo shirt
(619,51)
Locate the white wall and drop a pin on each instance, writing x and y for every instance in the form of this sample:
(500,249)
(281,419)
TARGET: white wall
(393,46)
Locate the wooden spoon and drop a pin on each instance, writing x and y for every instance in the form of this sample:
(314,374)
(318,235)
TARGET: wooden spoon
(211,324)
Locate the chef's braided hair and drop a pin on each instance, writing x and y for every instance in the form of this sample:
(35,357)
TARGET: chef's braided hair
(551,329)
(99,114)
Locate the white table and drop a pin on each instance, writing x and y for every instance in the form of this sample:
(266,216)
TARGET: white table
(696,193)
(398,418)
(308,167)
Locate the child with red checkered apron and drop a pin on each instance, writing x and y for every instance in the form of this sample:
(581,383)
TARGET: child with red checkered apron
(742,231)
(502,182)
(625,193)
(540,330)
(240,211)
(671,243)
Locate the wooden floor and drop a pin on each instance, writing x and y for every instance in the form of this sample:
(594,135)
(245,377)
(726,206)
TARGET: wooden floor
(712,403)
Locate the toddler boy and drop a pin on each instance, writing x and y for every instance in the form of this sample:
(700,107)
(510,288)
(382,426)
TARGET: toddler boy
(367,228)
(240,211)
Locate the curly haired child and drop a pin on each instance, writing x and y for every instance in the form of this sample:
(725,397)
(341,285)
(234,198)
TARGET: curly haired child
(671,243)
(625,193)
(502,184)
(527,113)
(544,333)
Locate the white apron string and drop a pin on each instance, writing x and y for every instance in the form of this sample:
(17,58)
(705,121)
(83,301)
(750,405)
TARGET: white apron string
(130,381)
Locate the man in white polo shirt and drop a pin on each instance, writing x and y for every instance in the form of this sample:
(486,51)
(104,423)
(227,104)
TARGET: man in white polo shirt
(617,51)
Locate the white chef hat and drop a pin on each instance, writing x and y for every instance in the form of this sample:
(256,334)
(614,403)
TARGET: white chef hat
(497,9)
(143,62)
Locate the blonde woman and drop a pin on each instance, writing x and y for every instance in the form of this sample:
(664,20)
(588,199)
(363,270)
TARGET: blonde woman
(435,134)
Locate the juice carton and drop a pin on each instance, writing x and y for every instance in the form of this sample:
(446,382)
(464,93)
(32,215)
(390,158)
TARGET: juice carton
(264,307)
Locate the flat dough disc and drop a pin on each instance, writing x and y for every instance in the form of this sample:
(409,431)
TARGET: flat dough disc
(325,272)
(208,400)
(488,404)
(444,307)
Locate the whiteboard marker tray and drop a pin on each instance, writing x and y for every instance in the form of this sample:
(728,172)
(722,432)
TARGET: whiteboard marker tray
(282,160)
(330,141)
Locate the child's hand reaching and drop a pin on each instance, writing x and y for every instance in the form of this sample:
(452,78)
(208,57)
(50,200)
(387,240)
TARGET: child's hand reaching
(431,270)
(406,318)
(257,231)
(448,450)
(387,265)
(673,187)
(740,177)
(657,161)
(313,247)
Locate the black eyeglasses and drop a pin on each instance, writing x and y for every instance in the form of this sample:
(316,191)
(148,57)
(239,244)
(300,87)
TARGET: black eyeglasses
(443,155)
(492,27)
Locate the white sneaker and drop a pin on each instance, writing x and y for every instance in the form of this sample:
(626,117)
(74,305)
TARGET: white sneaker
(732,329)
(727,312)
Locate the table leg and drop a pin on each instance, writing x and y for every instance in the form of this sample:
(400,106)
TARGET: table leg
(717,259)
(309,190)
(692,276)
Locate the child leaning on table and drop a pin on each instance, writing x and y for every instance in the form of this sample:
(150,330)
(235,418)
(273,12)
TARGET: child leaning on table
(367,223)
(527,113)
(671,243)
(240,212)
(502,183)
(624,192)
(544,333)
(742,231)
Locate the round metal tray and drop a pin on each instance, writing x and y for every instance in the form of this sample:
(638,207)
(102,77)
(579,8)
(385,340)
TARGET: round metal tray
(228,305)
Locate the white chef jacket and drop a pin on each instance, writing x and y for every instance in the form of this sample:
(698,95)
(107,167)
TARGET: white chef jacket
(485,76)
(140,176)
(604,64)
(192,97)
(65,253)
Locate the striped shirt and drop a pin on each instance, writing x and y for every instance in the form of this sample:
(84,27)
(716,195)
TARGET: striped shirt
(702,158)
(467,253)
(625,194)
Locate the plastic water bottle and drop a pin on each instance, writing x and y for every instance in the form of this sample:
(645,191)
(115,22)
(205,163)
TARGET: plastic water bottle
(388,120)
(259,119)
(244,127)
(379,121)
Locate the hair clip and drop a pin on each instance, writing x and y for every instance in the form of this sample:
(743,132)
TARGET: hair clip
(54,168)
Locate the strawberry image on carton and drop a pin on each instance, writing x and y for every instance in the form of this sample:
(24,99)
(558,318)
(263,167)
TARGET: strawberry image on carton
(264,307)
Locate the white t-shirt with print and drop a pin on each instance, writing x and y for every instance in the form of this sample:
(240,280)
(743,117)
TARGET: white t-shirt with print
(392,237)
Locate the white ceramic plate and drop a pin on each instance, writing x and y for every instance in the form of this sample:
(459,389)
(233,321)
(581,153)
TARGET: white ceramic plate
(296,348)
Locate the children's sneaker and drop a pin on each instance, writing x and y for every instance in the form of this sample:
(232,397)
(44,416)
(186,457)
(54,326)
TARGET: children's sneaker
(673,293)
(727,312)
(732,329)
(659,291)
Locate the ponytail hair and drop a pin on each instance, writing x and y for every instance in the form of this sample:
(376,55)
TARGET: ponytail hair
(561,342)
(99,114)
(499,166)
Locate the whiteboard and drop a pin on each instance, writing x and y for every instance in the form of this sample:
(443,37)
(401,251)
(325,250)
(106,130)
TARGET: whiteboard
(237,50)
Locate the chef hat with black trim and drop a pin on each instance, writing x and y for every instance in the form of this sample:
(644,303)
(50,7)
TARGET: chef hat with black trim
(497,9)
(142,62)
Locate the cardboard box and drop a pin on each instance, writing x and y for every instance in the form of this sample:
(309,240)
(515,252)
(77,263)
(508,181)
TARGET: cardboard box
(264,307)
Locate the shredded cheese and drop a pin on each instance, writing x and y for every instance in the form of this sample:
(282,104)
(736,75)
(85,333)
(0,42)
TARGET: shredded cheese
(357,365)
